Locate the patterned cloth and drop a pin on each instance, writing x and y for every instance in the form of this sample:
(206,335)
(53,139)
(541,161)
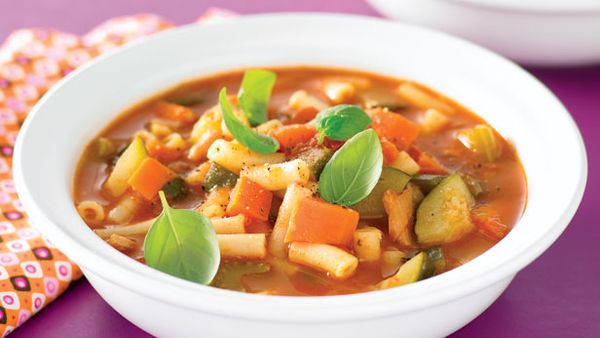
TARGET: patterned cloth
(32,271)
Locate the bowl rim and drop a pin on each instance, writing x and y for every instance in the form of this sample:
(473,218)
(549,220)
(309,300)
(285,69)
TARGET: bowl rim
(261,307)
(537,6)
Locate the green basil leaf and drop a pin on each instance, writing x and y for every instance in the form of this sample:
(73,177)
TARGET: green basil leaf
(182,243)
(246,136)
(341,122)
(254,94)
(353,171)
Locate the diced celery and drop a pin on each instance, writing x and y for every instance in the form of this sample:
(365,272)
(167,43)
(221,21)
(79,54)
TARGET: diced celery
(116,184)
(482,140)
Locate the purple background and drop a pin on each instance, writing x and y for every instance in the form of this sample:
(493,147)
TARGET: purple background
(556,296)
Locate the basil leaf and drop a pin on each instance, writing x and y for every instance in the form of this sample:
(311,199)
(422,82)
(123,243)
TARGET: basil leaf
(246,136)
(353,171)
(254,94)
(182,243)
(341,122)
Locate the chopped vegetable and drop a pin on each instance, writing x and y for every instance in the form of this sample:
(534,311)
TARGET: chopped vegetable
(390,151)
(391,260)
(316,221)
(434,121)
(174,112)
(437,258)
(278,176)
(216,202)
(488,222)
(341,122)
(251,199)
(116,184)
(444,215)
(234,156)
(400,208)
(105,148)
(427,164)
(335,261)
(474,185)
(416,269)
(316,158)
(427,182)
(254,94)
(353,171)
(175,189)
(395,127)
(390,179)
(149,177)
(218,176)
(292,135)
(259,143)
(367,244)
(231,274)
(482,140)
(182,243)
(162,152)
(405,163)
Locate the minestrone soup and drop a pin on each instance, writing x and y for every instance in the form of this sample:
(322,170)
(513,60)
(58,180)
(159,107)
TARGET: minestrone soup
(300,181)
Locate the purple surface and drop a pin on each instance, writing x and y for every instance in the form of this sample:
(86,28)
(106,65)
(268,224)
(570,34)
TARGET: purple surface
(556,296)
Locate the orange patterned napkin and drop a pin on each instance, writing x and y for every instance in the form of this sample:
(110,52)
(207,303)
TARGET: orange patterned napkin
(32,271)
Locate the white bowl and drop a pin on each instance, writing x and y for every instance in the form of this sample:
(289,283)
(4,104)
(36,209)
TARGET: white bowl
(533,32)
(520,107)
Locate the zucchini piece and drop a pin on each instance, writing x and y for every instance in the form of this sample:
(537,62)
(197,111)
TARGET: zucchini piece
(217,176)
(316,158)
(231,273)
(427,182)
(437,258)
(444,214)
(372,206)
(473,184)
(175,189)
(417,268)
(116,184)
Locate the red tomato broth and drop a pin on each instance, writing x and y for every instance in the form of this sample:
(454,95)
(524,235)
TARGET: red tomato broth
(507,199)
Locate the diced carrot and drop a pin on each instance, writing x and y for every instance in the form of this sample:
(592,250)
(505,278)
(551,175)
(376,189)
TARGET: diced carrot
(304,115)
(488,222)
(395,127)
(293,134)
(149,177)
(390,151)
(316,221)
(160,151)
(175,112)
(251,199)
(428,164)
(199,150)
